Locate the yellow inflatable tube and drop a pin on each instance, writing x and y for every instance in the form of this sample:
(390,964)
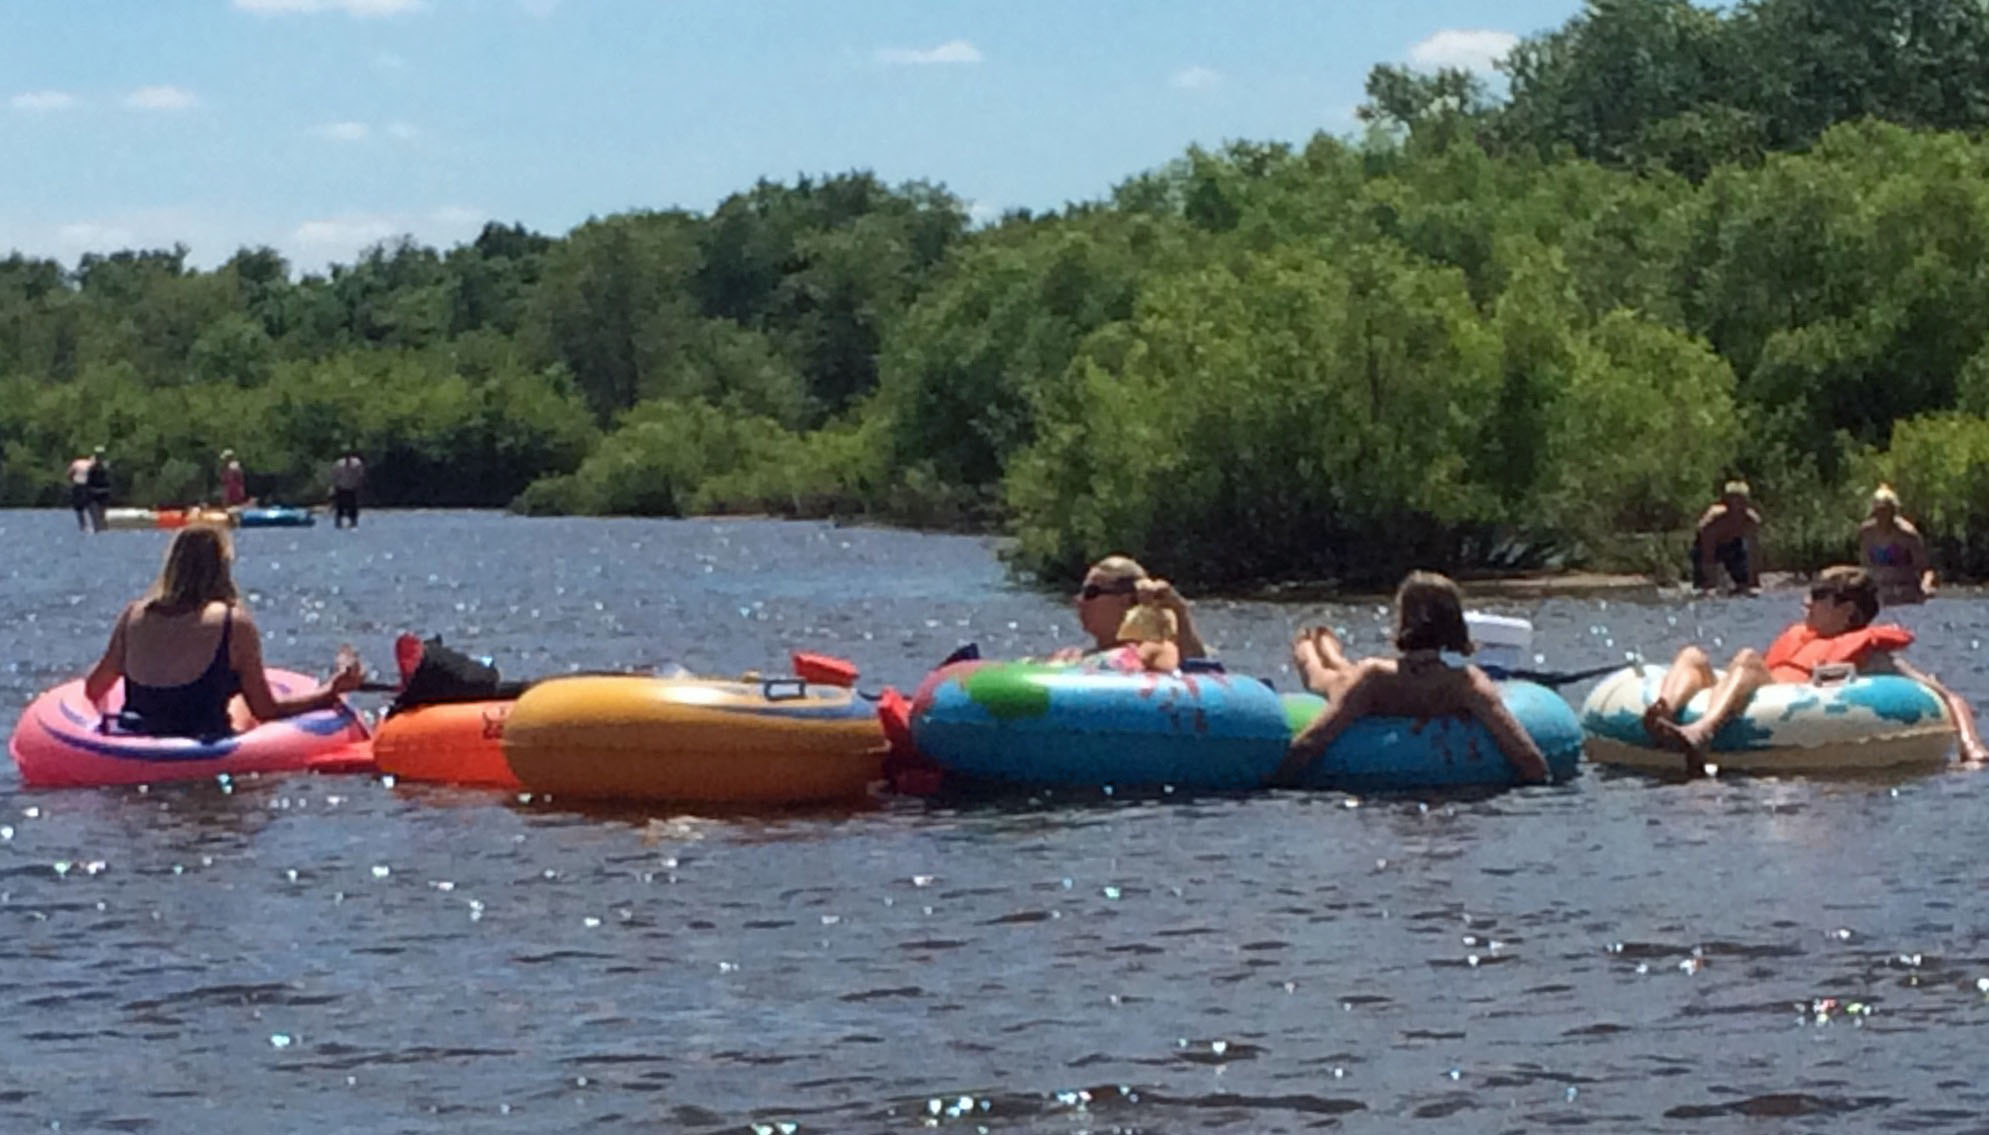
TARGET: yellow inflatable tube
(694,740)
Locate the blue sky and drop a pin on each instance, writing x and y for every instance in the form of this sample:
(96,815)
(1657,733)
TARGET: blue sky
(320,126)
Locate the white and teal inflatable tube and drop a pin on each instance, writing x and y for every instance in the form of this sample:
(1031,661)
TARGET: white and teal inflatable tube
(1026,723)
(1872,721)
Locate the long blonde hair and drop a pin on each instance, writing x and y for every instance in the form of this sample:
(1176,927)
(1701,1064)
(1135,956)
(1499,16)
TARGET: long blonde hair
(195,573)
(1148,622)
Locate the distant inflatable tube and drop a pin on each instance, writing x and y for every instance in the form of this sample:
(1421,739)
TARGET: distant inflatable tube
(1873,721)
(695,740)
(130,518)
(447,743)
(60,742)
(167,518)
(176,518)
(275,516)
(1027,723)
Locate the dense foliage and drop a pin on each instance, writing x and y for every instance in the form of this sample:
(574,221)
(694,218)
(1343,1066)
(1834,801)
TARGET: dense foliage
(1687,244)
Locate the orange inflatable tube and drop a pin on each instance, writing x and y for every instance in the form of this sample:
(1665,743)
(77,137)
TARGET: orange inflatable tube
(447,743)
(695,740)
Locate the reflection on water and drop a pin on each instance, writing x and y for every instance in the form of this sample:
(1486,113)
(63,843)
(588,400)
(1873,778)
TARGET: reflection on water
(1615,953)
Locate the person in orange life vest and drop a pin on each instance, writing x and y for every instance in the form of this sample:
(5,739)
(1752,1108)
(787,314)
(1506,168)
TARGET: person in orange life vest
(1836,629)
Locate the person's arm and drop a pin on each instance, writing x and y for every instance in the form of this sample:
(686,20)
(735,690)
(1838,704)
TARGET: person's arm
(1313,741)
(1162,592)
(1703,542)
(1528,762)
(110,667)
(1916,554)
(1972,750)
(245,654)
(1751,540)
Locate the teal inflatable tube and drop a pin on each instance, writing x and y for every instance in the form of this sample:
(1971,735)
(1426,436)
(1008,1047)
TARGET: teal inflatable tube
(1028,723)
(277,516)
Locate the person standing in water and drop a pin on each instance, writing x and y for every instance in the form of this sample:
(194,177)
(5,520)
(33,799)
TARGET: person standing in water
(234,482)
(348,473)
(97,479)
(1894,552)
(79,493)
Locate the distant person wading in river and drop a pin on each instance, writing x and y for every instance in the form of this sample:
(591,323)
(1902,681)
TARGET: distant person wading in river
(348,474)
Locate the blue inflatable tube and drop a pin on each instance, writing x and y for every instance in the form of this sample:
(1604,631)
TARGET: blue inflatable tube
(1027,723)
(276,516)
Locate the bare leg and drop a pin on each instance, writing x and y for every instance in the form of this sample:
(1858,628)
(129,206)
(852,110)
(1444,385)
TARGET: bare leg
(1730,695)
(1322,664)
(1690,672)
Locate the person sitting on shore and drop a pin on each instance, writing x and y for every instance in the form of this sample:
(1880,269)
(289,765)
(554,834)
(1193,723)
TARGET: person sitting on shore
(1726,537)
(1836,630)
(1420,683)
(1111,589)
(189,646)
(1894,552)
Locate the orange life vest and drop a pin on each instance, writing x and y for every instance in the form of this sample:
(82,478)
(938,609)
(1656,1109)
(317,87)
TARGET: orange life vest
(1799,650)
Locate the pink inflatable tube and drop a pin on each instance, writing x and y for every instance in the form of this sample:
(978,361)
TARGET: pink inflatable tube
(62,742)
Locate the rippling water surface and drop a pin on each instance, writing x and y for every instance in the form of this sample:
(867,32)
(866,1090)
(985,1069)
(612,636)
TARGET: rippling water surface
(340,954)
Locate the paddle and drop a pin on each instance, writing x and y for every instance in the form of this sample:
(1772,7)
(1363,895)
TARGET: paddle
(1552,679)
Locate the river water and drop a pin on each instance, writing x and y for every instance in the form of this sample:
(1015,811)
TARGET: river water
(1615,953)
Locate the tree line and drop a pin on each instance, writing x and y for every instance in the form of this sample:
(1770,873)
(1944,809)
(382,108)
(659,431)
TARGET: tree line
(1685,245)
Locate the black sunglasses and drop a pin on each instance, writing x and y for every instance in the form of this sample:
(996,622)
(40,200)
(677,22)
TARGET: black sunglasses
(1094,590)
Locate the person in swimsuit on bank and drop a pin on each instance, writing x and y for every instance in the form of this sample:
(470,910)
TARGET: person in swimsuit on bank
(1836,629)
(1727,539)
(1111,589)
(189,646)
(1894,552)
(1429,620)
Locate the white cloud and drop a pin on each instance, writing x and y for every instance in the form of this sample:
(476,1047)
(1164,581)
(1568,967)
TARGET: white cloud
(459,217)
(1472,49)
(359,9)
(402,131)
(161,98)
(41,102)
(94,236)
(340,239)
(1195,79)
(345,234)
(342,131)
(952,51)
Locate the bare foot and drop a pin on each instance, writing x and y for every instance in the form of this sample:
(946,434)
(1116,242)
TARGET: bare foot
(1331,651)
(1670,734)
(1656,712)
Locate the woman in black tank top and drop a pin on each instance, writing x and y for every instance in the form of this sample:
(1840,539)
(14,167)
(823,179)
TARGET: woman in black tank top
(193,615)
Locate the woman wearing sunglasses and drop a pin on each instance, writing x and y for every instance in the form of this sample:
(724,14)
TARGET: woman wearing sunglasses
(1836,629)
(1111,589)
